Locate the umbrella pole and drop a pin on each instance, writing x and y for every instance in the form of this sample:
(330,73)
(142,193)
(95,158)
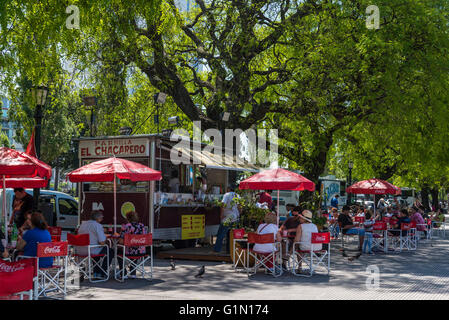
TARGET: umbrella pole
(278,210)
(115,204)
(4,210)
(374,201)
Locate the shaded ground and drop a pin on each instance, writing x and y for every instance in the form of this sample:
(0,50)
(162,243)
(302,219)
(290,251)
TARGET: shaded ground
(422,274)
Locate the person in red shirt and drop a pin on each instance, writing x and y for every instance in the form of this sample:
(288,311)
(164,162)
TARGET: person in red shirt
(265,197)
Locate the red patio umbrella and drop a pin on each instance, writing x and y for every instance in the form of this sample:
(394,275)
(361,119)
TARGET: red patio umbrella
(17,168)
(35,182)
(111,168)
(374,186)
(277,179)
(15,163)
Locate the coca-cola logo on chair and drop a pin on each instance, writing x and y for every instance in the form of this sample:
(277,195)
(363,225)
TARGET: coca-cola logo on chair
(135,240)
(52,249)
(11,266)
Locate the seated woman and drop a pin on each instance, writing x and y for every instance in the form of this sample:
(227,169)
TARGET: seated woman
(304,232)
(304,235)
(37,234)
(416,217)
(268,227)
(132,227)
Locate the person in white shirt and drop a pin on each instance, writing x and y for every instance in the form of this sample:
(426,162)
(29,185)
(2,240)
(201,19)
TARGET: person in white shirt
(268,227)
(229,214)
(96,234)
(304,234)
(174,182)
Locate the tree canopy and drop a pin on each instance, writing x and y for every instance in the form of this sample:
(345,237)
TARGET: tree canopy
(335,89)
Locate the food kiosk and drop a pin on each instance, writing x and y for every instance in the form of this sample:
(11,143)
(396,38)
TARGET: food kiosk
(181,207)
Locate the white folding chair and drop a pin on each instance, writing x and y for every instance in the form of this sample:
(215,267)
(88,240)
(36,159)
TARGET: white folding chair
(345,236)
(312,258)
(271,261)
(239,258)
(136,263)
(87,263)
(48,278)
(403,239)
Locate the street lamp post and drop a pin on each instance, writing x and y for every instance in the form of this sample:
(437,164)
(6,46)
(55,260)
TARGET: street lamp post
(39,95)
(90,101)
(350,166)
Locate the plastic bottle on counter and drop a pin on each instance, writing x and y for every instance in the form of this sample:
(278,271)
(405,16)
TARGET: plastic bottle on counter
(14,236)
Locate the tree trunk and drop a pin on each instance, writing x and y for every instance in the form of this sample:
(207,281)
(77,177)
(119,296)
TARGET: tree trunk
(435,203)
(425,198)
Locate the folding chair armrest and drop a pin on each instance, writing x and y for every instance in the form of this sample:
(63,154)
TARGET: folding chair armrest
(97,245)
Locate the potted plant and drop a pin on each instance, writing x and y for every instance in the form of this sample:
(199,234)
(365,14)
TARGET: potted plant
(250,218)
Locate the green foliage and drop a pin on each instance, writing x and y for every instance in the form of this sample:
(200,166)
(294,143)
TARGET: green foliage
(334,89)
(250,215)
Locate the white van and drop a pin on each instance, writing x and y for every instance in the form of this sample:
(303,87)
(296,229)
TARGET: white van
(58,208)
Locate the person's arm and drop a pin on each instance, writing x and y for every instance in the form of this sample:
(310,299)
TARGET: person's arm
(20,244)
(298,233)
(101,235)
(3,251)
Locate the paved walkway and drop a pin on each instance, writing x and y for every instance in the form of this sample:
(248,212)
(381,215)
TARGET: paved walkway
(422,274)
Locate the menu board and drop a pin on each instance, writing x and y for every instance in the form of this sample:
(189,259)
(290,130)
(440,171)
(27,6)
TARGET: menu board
(192,226)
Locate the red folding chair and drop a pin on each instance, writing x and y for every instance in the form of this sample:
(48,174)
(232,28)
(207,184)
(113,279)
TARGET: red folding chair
(48,279)
(17,279)
(136,263)
(312,258)
(359,220)
(87,263)
(271,261)
(55,233)
(380,236)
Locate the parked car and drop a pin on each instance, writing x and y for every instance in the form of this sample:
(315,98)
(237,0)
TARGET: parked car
(58,208)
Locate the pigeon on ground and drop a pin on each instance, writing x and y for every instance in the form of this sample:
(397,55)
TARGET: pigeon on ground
(201,272)
(358,255)
(172,264)
(344,254)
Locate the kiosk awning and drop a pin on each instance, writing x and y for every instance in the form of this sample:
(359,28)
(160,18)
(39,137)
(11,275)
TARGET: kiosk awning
(211,160)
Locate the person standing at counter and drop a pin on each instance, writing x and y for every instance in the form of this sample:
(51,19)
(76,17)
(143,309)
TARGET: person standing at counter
(228,213)
(265,197)
(202,187)
(174,182)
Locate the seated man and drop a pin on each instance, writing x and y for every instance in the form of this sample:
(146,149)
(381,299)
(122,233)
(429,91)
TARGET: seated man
(348,226)
(95,230)
(288,231)
(403,218)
